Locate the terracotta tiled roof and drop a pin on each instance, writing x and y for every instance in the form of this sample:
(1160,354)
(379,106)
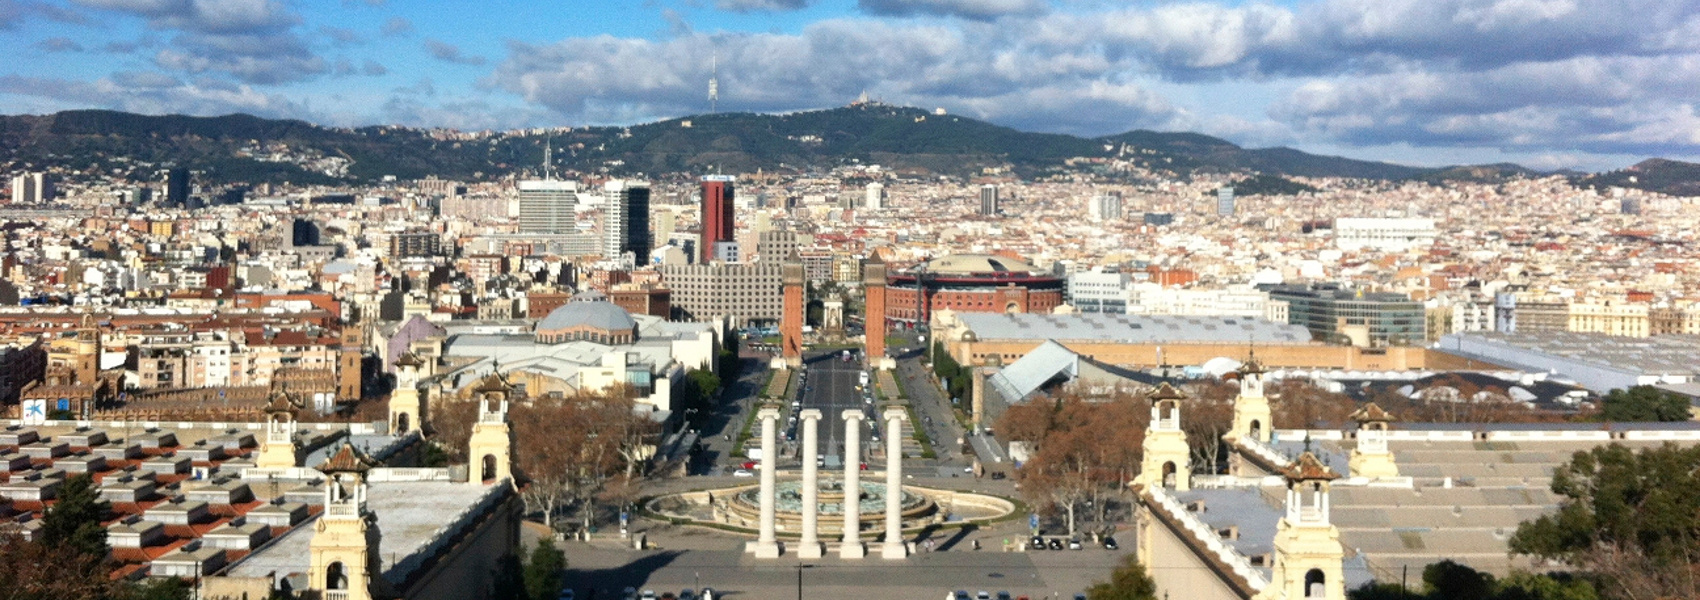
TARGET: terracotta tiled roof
(1308,468)
(1371,413)
(348,460)
(1165,391)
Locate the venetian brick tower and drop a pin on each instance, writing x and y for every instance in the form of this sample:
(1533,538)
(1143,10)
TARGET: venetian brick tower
(873,285)
(791,320)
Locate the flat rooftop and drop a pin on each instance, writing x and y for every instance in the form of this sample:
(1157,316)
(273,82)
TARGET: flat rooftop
(1133,329)
(410,515)
(1663,354)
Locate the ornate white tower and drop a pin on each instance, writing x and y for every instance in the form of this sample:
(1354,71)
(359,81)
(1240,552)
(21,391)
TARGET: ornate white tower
(406,406)
(491,446)
(1308,553)
(1252,418)
(1371,458)
(344,547)
(1168,458)
(277,451)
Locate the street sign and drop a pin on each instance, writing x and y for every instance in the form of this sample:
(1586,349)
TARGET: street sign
(35,411)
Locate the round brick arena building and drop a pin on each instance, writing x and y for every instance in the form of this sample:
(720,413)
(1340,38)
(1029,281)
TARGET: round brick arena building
(971,283)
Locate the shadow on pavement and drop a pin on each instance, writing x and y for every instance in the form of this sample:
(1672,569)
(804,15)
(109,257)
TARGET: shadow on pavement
(606,584)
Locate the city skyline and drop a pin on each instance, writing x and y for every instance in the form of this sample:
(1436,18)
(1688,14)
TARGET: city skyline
(1545,84)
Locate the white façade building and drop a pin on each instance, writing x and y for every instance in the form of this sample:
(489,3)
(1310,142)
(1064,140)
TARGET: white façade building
(1384,234)
(587,346)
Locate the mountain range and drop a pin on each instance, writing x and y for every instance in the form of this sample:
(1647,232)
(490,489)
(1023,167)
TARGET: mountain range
(246,149)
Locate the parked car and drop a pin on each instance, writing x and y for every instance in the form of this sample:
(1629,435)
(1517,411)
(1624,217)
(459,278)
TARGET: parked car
(647,595)
(630,593)
(1037,543)
(982,595)
(1056,544)
(708,594)
(1110,543)
(743,473)
(565,595)
(958,595)
(749,464)
(1074,545)
(998,475)
(1003,596)
(687,594)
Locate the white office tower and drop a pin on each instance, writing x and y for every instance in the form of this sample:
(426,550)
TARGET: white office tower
(1107,207)
(32,188)
(1225,201)
(874,198)
(625,221)
(548,207)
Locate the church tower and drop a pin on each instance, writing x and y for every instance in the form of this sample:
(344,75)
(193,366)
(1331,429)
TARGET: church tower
(1308,553)
(88,351)
(1168,458)
(277,451)
(1252,418)
(344,548)
(406,407)
(491,447)
(1371,458)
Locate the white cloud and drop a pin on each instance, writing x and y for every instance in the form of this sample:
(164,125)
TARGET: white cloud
(982,10)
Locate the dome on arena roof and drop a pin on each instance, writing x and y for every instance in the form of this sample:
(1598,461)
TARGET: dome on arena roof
(964,264)
(593,314)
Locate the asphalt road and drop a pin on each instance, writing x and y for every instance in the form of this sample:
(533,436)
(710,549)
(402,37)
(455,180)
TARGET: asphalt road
(830,386)
(930,403)
(720,428)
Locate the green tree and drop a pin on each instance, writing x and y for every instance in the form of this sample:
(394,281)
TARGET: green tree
(74,520)
(1453,581)
(1128,582)
(1631,518)
(707,382)
(1522,585)
(543,570)
(1645,403)
(507,580)
(1381,591)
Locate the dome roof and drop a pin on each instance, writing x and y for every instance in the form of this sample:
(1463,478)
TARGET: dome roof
(595,314)
(964,264)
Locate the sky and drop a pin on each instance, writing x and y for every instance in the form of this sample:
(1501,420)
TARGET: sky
(1583,84)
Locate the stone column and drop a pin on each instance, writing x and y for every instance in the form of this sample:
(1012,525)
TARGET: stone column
(811,546)
(852,545)
(893,548)
(766,545)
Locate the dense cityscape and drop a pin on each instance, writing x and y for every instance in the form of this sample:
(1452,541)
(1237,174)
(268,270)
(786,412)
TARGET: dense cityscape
(872,350)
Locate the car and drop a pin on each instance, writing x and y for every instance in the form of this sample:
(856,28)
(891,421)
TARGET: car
(1110,543)
(749,464)
(1037,543)
(1080,597)
(1056,544)
(687,594)
(668,596)
(998,475)
(1074,545)
(647,595)
(1003,595)
(566,594)
(743,473)
(630,593)
(864,467)
(796,404)
(967,469)
(982,595)
(708,594)
(958,595)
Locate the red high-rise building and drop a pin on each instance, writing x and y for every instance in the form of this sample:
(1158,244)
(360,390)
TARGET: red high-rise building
(718,224)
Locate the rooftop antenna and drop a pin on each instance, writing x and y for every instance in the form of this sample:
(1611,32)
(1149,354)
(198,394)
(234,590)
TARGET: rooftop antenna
(714,83)
(548,158)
